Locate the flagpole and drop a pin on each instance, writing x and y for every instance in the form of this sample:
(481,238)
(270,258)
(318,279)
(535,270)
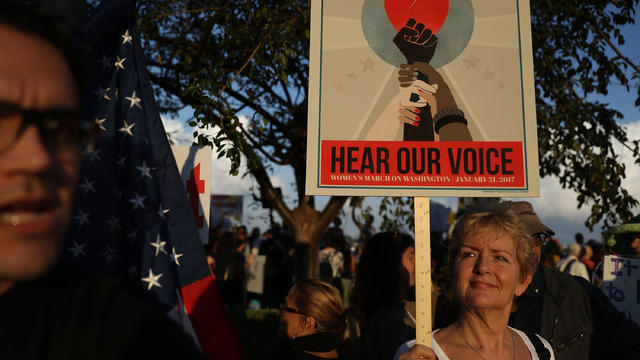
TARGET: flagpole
(423,270)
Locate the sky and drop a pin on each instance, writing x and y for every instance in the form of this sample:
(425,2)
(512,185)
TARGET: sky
(557,207)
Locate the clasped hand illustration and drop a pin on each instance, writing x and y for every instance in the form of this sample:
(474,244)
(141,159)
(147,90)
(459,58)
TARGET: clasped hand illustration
(424,90)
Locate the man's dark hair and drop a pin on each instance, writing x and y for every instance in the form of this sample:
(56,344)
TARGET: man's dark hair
(33,20)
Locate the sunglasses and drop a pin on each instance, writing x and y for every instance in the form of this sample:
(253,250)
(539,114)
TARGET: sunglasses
(284,307)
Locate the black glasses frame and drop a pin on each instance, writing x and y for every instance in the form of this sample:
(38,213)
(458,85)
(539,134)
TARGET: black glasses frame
(47,122)
(283,307)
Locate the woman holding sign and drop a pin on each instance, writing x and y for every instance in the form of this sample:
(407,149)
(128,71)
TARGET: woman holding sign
(492,261)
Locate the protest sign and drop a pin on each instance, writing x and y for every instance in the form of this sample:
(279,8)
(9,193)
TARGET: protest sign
(621,283)
(225,209)
(460,121)
(194,163)
(255,274)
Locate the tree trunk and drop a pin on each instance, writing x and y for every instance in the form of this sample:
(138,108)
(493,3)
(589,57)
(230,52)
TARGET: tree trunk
(308,225)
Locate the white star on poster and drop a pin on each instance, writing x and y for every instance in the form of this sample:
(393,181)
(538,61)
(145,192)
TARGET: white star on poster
(159,245)
(134,100)
(126,38)
(367,64)
(488,75)
(77,249)
(126,128)
(472,62)
(175,257)
(137,201)
(152,280)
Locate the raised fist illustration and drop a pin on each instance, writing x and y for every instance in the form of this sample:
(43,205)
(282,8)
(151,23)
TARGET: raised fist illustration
(416,42)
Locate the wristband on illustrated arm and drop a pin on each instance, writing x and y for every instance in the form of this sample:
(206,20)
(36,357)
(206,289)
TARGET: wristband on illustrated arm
(447,116)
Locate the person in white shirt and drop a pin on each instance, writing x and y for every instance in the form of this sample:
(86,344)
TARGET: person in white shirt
(492,262)
(572,264)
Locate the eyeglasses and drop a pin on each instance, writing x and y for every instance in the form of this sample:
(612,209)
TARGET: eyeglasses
(57,127)
(284,307)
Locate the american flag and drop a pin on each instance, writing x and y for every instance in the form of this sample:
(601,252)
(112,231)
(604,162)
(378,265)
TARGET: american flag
(132,218)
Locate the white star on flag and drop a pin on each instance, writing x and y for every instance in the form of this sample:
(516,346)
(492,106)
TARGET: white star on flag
(99,122)
(161,213)
(102,93)
(82,217)
(105,61)
(87,186)
(120,162)
(133,271)
(94,155)
(144,170)
(132,234)
(77,249)
(113,222)
(134,100)
(110,254)
(126,38)
(152,280)
(126,128)
(159,245)
(119,62)
(137,201)
(174,257)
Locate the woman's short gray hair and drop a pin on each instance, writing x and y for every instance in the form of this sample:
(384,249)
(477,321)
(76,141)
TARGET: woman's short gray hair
(501,222)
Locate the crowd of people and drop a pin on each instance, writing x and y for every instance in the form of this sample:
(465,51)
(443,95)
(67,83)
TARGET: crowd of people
(544,303)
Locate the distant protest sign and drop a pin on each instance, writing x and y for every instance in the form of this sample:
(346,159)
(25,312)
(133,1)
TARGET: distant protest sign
(421,98)
(255,274)
(621,284)
(194,164)
(225,209)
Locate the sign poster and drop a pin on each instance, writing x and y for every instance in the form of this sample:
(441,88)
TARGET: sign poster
(194,164)
(225,209)
(621,283)
(255,274)
(421,98)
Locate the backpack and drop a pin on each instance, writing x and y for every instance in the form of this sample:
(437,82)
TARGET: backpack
(569,265)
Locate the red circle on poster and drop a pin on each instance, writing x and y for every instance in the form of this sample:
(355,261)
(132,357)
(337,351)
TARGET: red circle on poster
(431,13)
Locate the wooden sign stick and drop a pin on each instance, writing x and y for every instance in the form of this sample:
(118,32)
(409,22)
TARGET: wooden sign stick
(423,270)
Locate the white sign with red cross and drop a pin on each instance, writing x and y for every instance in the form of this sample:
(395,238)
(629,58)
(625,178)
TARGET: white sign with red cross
(194,164)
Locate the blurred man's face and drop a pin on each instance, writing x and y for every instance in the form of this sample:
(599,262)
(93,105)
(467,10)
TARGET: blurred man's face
(37,171)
